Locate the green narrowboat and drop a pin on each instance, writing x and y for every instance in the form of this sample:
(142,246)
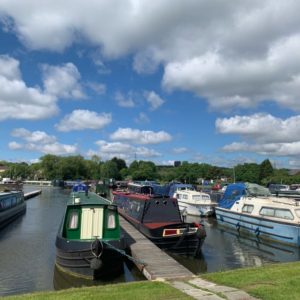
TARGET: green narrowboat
(89,243)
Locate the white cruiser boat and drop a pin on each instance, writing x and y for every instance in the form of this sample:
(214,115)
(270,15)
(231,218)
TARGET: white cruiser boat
(251,208)
(194,203)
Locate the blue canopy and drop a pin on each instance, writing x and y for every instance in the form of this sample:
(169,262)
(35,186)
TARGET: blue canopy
(233,193)
(80,187)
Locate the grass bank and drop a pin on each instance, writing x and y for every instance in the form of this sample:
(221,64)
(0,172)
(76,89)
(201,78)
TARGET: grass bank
(271,282)
(126,291)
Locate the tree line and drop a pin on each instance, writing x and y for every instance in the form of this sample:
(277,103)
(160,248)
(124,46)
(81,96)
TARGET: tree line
(76,167)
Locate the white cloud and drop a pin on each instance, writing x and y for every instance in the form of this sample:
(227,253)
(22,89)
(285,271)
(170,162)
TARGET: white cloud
(154,100)
(180,150)
(15,146)
(233,54)
(33,137)
(263,134)
(142,118)
(39,141)
(261,127)
(273,149)
(99,88)
(140,136)
(84,119)
(124,101)
(125,151)
(62,81)
(17,100)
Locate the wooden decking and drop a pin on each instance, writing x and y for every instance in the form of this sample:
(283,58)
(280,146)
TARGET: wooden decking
(158,264)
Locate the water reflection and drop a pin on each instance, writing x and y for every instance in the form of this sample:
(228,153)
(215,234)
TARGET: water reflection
(27,248)
(62,280)
(224,249)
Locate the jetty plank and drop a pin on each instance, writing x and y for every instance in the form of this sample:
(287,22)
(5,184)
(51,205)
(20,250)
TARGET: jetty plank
(158,264)
(32,194)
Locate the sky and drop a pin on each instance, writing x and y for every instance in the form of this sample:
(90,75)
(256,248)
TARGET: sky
(206,81)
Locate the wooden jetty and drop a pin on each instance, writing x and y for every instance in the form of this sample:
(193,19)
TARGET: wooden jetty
(38,182)
(32,194)
(157,263)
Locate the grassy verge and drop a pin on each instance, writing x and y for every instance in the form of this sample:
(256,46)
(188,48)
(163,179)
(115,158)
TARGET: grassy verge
(126,291)
(271,282)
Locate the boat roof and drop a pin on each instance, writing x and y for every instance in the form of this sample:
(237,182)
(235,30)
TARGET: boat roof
(192,192)
(9,193)
(87,199)
(142,197)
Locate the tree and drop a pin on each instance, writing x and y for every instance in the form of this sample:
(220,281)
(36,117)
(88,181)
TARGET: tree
(50,165)
(247,172)
(266,170)
(142,170)
(109,169)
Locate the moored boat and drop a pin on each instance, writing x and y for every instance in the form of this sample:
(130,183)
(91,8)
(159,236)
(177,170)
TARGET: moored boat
(251,209)
(89,243)
(189,199)
(158,218)
(12,205)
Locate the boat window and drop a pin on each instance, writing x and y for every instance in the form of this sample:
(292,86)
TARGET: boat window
(111,220)
(135,208)
(13,201)
(267,211)
(277,213)
(5,203)
(297,211)
(247,208)
(73,220)
(185,197)
(284,214)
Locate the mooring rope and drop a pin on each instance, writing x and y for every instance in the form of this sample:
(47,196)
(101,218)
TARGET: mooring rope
(140,262)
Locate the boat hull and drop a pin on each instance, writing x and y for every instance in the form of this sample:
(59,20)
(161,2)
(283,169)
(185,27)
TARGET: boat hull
(7,216)
(187,244)
(77,259)
(272,230)
(204,210)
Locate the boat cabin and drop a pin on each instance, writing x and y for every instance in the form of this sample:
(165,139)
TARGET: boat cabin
(90,216)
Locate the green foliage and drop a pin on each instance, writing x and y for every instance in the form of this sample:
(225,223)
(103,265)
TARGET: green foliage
(266,170)
(143,170)
(247,172)
(121,164)
(50,164)
(109,169)
(146,290)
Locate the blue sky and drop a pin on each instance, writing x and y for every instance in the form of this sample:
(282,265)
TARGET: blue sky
(206,81)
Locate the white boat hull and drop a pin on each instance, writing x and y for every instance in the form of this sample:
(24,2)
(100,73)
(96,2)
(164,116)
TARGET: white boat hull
(279,231)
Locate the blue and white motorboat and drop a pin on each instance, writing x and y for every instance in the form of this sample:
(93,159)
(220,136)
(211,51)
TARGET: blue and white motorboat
(192,202)
(250,208)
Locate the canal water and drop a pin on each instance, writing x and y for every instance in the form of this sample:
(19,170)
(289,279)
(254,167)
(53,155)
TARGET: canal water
(27,249)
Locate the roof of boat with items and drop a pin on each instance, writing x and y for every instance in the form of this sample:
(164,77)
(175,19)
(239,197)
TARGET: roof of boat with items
(235,191)
(81,198)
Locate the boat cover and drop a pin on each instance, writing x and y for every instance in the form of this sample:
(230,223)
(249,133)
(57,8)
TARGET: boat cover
(80,187)
(236,190)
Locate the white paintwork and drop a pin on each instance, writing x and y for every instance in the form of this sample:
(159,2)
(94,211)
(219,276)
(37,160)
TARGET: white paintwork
(91,223)
(190,198)
(269,202)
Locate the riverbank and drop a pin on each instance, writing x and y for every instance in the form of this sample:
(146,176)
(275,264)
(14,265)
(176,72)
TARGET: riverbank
(146,290)
(270,282)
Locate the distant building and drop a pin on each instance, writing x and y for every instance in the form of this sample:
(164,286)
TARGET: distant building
(177,163)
